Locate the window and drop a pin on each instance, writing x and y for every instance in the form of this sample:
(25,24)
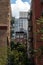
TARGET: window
(21,36)
(17,36)
(29,23)
(21,40)
(30,28)
(30,39)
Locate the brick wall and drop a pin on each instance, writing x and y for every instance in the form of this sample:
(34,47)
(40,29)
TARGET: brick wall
(5,18)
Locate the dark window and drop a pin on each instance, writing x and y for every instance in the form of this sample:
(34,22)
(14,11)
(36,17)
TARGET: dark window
(3,27)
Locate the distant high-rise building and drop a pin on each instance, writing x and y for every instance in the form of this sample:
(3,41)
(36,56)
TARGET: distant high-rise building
(21,29)
(23,18)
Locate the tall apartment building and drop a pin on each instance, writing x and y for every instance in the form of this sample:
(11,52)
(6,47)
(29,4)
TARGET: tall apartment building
(17,32)
(19,28)
(37,13)
(22,22)
(23,18)
(5,18)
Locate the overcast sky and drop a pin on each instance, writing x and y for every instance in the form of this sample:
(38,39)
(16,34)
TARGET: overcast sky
(19,5)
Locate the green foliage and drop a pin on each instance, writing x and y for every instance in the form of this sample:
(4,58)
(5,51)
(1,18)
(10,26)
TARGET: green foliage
(17,55)
(3,55)
(14,55)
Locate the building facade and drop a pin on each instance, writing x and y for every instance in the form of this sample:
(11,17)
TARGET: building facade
(20,26)
(37,14)
(23,18)
(30,35)
(22,22)
(5,15)
(5,18)
(21,37)
(12,28)
(21,29)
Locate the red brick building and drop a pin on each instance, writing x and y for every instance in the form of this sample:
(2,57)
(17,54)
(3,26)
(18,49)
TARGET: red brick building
(37,12)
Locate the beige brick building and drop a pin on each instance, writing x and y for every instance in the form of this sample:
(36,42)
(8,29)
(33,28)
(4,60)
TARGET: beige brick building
(5,14)
(5,18)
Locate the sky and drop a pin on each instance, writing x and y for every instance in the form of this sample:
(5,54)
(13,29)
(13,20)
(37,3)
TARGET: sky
(19,5)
